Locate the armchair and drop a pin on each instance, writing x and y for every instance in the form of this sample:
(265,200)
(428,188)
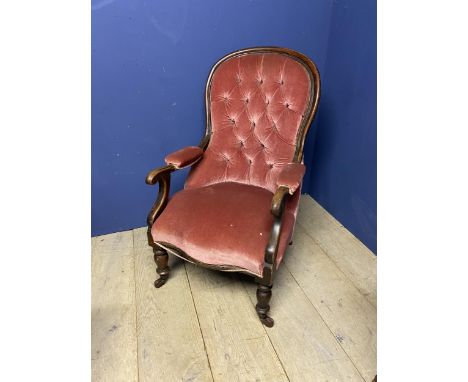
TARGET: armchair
(239,204)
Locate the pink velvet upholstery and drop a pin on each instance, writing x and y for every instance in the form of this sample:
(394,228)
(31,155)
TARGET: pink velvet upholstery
(257,104)
(291,176)
(223,216)
(184,157)
(224,223)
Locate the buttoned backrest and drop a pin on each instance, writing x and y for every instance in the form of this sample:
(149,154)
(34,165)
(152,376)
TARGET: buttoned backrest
(258,106)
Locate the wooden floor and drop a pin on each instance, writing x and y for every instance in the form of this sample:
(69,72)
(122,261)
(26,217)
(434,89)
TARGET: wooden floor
(202,325)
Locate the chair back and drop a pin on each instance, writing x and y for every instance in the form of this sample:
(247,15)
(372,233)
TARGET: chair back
(260,103)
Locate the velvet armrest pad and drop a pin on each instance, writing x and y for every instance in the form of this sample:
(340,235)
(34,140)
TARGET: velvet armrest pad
(184,157)
(291,176)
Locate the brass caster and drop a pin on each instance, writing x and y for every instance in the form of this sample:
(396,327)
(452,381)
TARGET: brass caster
(160,282)
(267,321)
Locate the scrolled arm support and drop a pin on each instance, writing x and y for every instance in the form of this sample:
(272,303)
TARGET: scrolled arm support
(277,204)
(154,175)
(271,250)
(162,176)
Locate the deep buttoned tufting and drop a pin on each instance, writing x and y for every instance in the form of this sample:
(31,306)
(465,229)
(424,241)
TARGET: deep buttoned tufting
(257,104)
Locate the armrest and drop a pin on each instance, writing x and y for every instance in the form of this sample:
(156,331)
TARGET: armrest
(291,176)
(162,175)
(184,157)
(288,182)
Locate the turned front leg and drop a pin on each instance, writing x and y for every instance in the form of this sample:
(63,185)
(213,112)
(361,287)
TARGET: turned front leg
(162,269)
(263,305)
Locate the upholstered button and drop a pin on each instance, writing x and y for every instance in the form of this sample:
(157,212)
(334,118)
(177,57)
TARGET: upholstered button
(287,105)
(253,124)
(263,146)
(233,121)
(246,100)
(250,161)
(282,82)
(267,101)
(270,165)
(241,143)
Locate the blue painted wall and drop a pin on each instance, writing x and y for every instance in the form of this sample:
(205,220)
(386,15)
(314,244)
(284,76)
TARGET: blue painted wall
(343,171)
(150,61)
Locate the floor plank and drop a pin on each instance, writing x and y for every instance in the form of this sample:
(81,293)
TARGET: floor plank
(350,316)
(113,339)
(347,252)
(304,343)
(236,341)
(170,343)
(113,241)
(140,237)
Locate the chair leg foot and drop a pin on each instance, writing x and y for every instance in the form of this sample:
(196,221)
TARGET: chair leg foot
(263,305)
(161,258)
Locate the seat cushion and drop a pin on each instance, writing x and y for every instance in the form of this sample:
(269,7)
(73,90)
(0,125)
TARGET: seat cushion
(223,224)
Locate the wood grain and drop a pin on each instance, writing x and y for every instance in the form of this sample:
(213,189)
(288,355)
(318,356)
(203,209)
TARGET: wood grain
(236,342)
(348,253)
(170,343)
(113,339)
(349,315)
(112,242)
(304,343)
(140,238)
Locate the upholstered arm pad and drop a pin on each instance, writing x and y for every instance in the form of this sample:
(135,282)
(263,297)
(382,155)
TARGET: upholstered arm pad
(184,157)
(291,176)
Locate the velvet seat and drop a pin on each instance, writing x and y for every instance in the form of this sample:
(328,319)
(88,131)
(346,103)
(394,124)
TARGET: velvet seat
(234,228)
(239,204)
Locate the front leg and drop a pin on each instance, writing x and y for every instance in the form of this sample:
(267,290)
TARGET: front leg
(263,305)
(161,258)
